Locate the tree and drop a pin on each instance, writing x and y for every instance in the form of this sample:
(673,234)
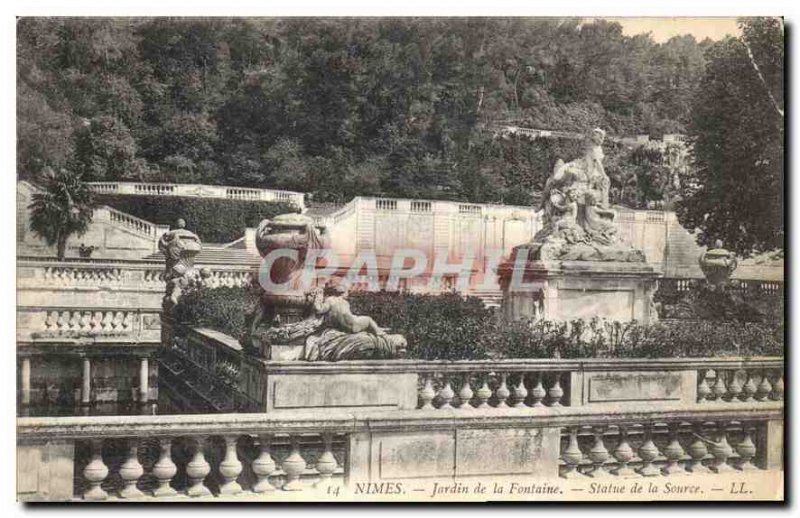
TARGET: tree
(64,207)
(737,133)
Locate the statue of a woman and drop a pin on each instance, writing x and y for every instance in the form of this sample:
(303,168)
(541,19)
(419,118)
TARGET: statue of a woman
(578,223)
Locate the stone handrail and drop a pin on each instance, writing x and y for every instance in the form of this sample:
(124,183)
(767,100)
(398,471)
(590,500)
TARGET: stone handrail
(562,365)
(196,190)
(132,223)
(295,452)
(147,275)
(519,383)
(535,383)
(53,323)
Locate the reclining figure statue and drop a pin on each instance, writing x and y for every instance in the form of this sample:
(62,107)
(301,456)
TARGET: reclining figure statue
(324,325)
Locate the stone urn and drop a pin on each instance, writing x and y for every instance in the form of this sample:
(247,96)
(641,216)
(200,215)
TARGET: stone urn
(718,264)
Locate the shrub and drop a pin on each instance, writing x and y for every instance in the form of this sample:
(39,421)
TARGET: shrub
(223,309)
(450,327)
(736,302)
(215,220)
(437,327)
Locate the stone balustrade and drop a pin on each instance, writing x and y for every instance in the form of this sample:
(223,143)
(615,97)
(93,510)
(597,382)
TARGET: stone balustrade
(268,456)
(195,190)
(516,384)
(54,297)
(669,447)
(35,273)
(494,388)
(741,383)
(100,322)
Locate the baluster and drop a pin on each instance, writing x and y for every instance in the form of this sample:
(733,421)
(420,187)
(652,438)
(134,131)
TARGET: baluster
(673,452)
(502,391)
(230,468)
(105,323)
(599,453)
(465,395)
(117,320)
(293,466)
(264,466)
(446,395)
(572,455)
(648,452)
(719,389)
(326,463)
(749,389)
(520,392)
(697,451)
(427,394)
(746,449)
(703,390)
(734,387)
(63,320)
(85,320)
(126,320)
(131,471)
(197,470)
(97,319)
(623,454)
(484,393)
(721,450)
(556,392)
(95,472)
(75,320)
(164,470)
(764,388)
(777,388)
(50,320)
(537,392)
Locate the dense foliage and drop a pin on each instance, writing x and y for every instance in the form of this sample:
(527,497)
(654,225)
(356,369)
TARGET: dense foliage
(63,207)
(224,309)
(343,107)
(450,327)
(214,220)
(737,125)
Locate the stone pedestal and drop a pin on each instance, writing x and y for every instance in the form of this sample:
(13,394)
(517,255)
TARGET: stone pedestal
(567,290)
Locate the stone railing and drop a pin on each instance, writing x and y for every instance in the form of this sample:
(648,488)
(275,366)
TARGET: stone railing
(466,385)
(37,273)
(98,323)
(269,456)
(673,287)
(84,297)
(132,223)
(202,191)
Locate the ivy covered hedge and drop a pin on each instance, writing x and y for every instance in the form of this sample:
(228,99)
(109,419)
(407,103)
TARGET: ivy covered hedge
(451,327)
(215,220)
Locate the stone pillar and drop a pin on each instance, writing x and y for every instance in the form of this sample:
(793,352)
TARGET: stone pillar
(86,390)
(144,380)
(25,376)
(774,445)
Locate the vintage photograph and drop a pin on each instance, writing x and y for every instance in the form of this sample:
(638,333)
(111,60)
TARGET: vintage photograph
(400,259)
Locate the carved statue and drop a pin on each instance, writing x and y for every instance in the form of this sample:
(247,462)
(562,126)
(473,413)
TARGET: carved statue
(578,221)
(179,246)
(285,232)
(345,336)
(325,325)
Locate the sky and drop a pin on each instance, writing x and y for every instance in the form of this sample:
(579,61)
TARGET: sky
(663,29)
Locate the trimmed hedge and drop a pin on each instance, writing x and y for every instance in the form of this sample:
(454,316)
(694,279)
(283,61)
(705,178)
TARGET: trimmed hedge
(215,220)
(450,327)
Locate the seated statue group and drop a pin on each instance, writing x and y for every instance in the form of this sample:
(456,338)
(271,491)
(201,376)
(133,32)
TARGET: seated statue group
(578,222)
